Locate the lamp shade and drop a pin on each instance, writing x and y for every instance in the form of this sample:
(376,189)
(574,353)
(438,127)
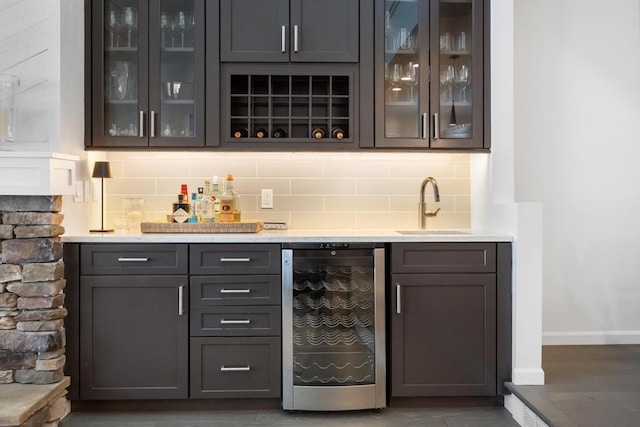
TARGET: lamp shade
(101,170)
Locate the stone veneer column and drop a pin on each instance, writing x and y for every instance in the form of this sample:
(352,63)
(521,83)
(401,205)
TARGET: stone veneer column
(32,337)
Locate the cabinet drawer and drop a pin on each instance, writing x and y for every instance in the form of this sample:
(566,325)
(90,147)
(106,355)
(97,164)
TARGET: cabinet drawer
(236,290)
(443,257)
(235,259)
(235,367)
(236,321)
(134,259)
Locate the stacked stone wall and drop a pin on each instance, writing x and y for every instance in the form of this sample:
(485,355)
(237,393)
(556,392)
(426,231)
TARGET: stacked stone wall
(32,336)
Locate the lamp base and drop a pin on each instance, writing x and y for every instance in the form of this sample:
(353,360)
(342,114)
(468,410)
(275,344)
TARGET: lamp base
(100,231)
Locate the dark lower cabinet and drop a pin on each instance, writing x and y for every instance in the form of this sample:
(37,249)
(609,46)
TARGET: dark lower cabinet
(450,319)
(134,337)
(239,367)
(444,335)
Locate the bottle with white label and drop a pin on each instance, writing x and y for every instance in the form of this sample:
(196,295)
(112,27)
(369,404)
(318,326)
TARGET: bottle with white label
(205,208)
(215,198)
(229,203)
(181,210)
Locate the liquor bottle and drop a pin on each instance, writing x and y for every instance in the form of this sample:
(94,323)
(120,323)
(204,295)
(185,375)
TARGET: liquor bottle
(262,133)
(317,133)
(337,133)
(229,203)
(193,215)
(205,206)
(180,210)
(279,133)
(241,133)
(185,192)
(215,198)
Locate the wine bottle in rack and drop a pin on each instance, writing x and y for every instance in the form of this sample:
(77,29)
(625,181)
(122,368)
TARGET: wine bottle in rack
(241,133)
(337,133)
(262,133)
(317,133)
(279,133)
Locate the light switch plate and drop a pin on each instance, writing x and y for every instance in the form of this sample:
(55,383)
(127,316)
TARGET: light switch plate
(79,196)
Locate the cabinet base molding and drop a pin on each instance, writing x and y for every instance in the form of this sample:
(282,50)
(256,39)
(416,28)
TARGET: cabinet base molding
(448,401)
(175,405)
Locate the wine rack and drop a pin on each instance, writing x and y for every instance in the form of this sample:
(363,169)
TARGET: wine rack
(290,108)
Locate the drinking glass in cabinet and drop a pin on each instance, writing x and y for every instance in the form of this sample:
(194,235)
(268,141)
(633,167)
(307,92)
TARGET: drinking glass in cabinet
(130,23)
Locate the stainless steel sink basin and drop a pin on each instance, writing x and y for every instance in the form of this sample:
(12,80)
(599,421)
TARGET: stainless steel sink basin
(431,232)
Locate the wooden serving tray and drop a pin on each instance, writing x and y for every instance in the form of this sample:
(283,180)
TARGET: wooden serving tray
(218,227)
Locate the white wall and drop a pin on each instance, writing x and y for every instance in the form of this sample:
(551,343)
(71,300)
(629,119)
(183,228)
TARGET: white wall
(577,109)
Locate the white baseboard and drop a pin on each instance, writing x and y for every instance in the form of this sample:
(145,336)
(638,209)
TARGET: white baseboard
(529,376)
(591,338)
(521,413)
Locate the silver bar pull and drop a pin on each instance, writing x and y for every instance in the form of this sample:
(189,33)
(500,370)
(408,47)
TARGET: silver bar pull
(152,124)
(283,38)
(141,124)
(398,296)
(235,259)
(234,291)
(296,43)
(436,126)
(127,259)
(235,368)
(425,126)
(235,322)
(180,300)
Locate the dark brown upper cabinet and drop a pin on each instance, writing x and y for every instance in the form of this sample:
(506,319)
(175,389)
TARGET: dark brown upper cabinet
(429,74)
(289,30)
(148,73)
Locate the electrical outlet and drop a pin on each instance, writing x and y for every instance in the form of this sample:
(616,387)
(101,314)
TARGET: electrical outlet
(266,198)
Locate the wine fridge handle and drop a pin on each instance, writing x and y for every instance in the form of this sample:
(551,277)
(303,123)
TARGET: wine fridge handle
(283,38)
(398,296)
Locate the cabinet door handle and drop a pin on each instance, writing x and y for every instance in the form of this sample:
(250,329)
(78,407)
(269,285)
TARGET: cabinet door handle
(235,259)
(180,300)
(141,124)
(425,124)
(234,368)
(234,291)
(398,296)
(152,124)
(235,322)
(127,259)
(436,126)
(283,38)
(296,34)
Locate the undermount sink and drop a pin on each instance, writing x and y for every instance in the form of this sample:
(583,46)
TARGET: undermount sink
(431,232)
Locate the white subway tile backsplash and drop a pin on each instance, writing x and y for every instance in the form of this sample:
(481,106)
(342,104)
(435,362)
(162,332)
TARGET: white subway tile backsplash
(311,190)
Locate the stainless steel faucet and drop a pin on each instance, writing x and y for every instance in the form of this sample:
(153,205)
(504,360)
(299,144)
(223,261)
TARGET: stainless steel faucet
(423,213)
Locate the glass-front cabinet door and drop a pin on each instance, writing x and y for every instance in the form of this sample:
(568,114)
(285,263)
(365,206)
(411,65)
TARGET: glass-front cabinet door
(402,79)
(457,77)
(429,83)
(151,57)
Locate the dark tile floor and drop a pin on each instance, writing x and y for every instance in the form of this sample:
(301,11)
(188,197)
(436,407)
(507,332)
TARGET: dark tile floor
(588,386)
(390,417)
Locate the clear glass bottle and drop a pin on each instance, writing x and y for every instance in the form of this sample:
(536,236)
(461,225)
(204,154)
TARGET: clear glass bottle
(205,208)
(215,198)
(229,203)
(195,209)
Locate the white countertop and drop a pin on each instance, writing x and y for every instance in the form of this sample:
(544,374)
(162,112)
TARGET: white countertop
(299,235)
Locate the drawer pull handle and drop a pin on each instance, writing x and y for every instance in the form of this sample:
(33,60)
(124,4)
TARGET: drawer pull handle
(235,368)
(235,291)
(235,259)
(235,322)
(124,259)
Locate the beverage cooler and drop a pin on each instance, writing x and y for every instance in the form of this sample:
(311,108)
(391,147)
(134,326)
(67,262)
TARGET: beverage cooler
(333,327)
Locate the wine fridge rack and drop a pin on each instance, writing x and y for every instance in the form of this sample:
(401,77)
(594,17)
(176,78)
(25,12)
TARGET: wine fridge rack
(283,108)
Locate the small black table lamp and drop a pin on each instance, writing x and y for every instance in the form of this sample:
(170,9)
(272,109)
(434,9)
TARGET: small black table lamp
(101,170)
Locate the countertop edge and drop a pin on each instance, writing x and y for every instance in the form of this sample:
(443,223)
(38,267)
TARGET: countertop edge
(282,236)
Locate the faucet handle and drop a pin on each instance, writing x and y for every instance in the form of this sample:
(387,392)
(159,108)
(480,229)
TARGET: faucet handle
(431,213)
